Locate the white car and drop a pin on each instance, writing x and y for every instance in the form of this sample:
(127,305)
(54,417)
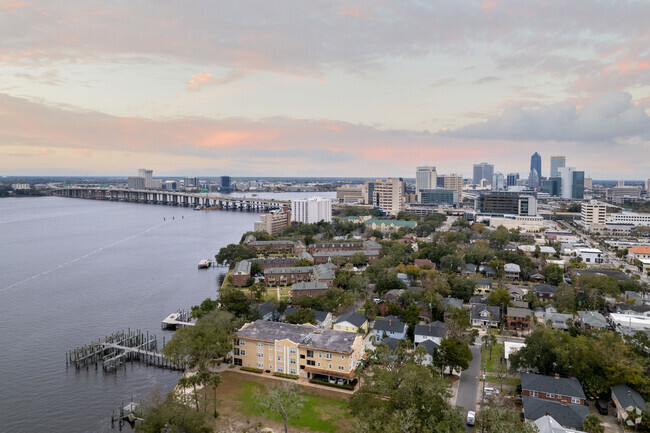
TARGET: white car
(491,391)
(471,417)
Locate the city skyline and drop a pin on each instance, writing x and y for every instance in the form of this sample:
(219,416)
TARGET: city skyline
(343,89)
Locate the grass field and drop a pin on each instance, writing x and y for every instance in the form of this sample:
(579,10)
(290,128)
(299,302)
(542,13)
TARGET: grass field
(512,381)
(318,414)
(497,354)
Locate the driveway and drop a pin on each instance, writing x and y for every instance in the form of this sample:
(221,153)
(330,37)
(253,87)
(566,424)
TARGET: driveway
(468,387)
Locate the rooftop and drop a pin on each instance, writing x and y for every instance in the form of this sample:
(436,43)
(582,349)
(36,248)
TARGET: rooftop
(570,415)
(551,384)
(290,270)
(356,319)
(309,285)
(434,329)
(643,249)
(627,397)
(398,223)
(390,323)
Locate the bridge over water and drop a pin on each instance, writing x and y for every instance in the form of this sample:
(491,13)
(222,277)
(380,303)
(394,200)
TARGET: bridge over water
(173,198)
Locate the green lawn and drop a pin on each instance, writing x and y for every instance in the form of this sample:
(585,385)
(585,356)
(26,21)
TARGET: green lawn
(318,414)
(497,354)
(512,381)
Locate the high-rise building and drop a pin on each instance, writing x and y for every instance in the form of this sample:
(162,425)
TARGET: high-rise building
(506,203)
(533,180)
(512,179)
(274,222)
(498,182)
(647,187)
(350,194)
(135,182)
(621,194)
(147,175)
(425,178)
(556,163)
(434,197)
(483,170)
(311,210)
(191,182)
(388,195)
(454,181)
(573,183)
(552,186)
(593,213)
(536,164)
(225,184)
(369,193)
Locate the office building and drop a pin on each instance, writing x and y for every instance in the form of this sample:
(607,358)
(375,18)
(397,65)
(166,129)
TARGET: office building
(512,179)
(20,186)
(506,203)
(135,182)
(275,222)
(425,178)
(533,180)
(191,182)
(556,163)
(552,186)
(454,182)
(350,194)
(225,184)
(435,197)
(147,175)
(498,182)
(170,185)
(647,187)
(589,183)
(368,192)
(593,213)
(536,165)
(633,218)
(388,195)
(311,210)
(483,170)
(573,183)
(621,194)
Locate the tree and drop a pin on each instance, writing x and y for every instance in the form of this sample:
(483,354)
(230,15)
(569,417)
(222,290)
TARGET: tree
(358,259)
(370,309)
(191,381)
(454,353)
(203,344)
(501,372)
(233,253)
(497,418)
(451,263)
(284,399)
(592,424)
(565,298)
(410,399)
(462,288)
(236,302)
(258,290)
(499,297)
(256,268)
(171,416)
(553,274)
(206,307)
(303,315)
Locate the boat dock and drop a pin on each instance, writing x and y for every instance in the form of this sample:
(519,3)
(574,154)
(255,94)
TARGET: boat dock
(180,319)
(117,349)
(205,263)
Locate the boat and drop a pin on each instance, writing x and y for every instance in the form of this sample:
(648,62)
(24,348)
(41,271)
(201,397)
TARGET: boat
(206,263)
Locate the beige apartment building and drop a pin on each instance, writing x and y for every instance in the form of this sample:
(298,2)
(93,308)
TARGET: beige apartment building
(454,182)
(301,350)
(388,195)
(274,222)
(593,213)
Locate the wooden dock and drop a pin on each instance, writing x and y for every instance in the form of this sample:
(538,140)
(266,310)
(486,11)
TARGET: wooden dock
(180,319)
(117,349)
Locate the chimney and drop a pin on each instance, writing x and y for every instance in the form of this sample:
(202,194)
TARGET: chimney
(390,321)
(629,392)
(429,327)
(557,376)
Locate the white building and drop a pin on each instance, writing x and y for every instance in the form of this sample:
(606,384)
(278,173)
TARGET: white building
(311,210)
(135,182)
(636,219)
(388,195)
(147,175)
(566,173)
(454,181)
(20,186)
(425,178)
(498,182)
(593,213)
(590,255)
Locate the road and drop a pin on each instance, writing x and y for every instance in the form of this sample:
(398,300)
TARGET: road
(468,386)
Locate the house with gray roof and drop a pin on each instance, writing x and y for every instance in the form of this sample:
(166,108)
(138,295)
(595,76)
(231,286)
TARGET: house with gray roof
(268,311)
(430,346)
(624,308)
(547,424)
(469,269)
(389,326)
(567,415)
(512,270)
(450,302)
(544,292)
(434,331)
(625,400)
(592,320)
(561,398)
(351,323)
(558,320)
(392,343)
(241,273)
(484,315)
(308,288)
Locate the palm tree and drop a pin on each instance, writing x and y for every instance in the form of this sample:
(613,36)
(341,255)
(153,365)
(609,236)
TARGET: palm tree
(214,380)
(493,341)
(592,424)
(190,381)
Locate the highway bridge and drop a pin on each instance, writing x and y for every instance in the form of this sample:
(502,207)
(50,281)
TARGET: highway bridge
(173,198)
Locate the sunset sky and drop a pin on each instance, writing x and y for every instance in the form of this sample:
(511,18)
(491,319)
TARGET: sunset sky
(323,88)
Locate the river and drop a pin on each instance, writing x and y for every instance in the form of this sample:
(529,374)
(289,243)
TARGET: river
(72,271)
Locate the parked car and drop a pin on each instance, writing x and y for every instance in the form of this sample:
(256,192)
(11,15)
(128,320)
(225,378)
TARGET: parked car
(471,417)
(491,391)
(332,380)
(601,406)
(340,382)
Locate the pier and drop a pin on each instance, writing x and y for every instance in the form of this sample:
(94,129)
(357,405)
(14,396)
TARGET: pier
(173,198)
(117,349)
(177,320)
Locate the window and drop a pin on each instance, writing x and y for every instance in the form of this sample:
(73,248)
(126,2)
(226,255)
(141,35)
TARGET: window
(319,364)
(260,365)
(292,350)
(575,400)
(328,356)
(279,369)
(260,355)
(278,348)
(341,367)
(237,361)
(236,341)
(242,342)
(533,393)
(549,395)
(260,345)
(270,366)
(293,361)
(242,352)
(293,371)
(329,366)
(342,356)
(236,350)
(320,354)
(310,354)
(279,358)
(310,362)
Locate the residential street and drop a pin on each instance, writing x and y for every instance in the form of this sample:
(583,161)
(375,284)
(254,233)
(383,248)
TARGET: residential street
(468,387)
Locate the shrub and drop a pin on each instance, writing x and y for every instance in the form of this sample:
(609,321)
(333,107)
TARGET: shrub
(252,369)
(333,385)
(288,376)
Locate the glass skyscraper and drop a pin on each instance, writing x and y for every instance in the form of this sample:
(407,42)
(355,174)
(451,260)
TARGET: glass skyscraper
(536,164)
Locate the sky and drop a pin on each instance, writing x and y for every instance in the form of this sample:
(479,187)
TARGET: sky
(323,88)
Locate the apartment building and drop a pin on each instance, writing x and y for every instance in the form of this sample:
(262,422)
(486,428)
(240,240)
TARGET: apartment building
(300,350)
(455,182)
(388,195)
(593,213)
(311,210)
(274,222)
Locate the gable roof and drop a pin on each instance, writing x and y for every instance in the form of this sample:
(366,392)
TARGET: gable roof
(309,285)
(429,345)
(544,288)
(570,415)
(547,424)
(391,342)
(641,249)
(511,267)
(452,302)
(593,318)
(434,329)
(483,282)
(266,308)
(551,384)
(477,309)
(390,324)
(320,316)
(356,319)
(519,312)
(627,397)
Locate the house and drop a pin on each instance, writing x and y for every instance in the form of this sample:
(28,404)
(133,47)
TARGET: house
(487,271)
(626,399)
(485,315)
(483,286)
(518,318)
(268,311)
(393,295)
(450,302)
(512,270)
(517,293)
(641,252)
(590,255)
(537,277)
(434,331)
(288,276)
(392,343)
(558,320)
(519,304)
(469,270)
(561,398)
(241,273)
(430,346)
(352,323)
(544,292)
(511,347)
(323,319)
(389,326)
(511,247)
(325,274)
(633,310)
(300,350)
(592,320)
(288,311)
(424,264)
(308,288)
(546,424)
